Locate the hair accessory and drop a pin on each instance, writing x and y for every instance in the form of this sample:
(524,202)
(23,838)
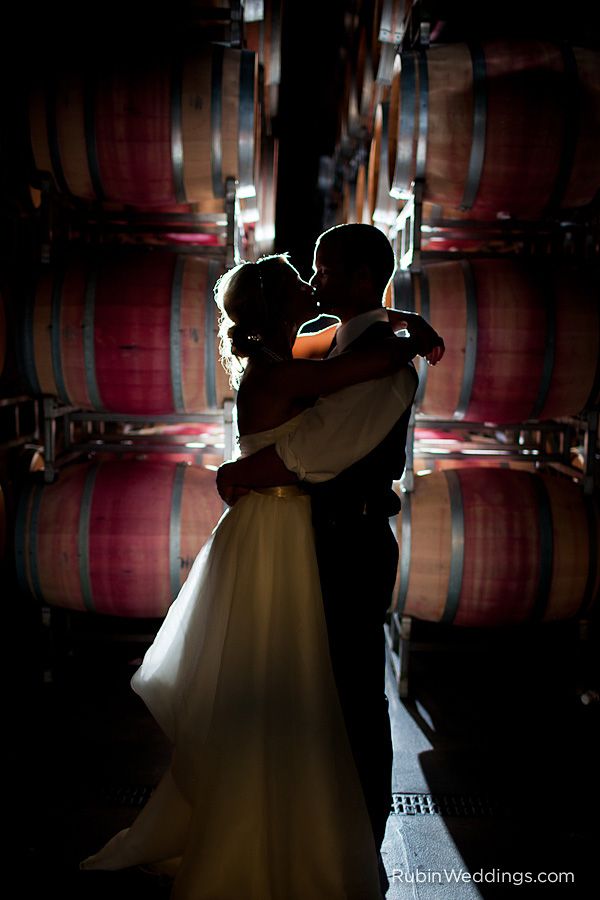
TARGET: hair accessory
(260,281)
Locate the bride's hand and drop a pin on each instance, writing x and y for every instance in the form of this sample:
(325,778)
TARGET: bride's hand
(428,342)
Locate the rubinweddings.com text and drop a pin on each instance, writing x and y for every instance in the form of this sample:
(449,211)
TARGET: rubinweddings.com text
(481,876)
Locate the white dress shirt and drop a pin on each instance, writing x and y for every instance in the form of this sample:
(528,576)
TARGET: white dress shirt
(344,426)
(352,329)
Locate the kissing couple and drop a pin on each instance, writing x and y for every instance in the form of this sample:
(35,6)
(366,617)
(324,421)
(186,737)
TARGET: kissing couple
(267,674)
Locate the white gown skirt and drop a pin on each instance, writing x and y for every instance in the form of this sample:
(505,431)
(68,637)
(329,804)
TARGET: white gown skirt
(262,800)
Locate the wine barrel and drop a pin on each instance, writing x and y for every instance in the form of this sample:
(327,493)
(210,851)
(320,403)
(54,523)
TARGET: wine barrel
(152,136)
(3,336)
(383,208)
(360,91)
(257,214)
(129,331)
(354,207)
(263,37)
(508,128)
(114,537)
(490,547)
(522,339)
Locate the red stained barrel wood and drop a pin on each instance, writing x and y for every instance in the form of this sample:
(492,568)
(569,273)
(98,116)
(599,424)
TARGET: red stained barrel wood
(510,127)
(149,136)
(485,547)
(522,340)
(115,537)
(131,332)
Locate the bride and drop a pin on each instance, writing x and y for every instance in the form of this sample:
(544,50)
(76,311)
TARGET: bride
(262,800)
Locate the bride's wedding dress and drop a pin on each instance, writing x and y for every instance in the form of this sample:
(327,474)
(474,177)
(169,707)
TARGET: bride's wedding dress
(262,799)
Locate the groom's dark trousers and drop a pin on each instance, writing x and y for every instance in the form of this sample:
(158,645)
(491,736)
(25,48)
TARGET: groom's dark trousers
(358,555)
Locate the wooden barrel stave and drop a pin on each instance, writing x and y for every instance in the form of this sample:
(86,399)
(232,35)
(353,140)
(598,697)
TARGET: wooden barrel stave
(117,538)
(500,135)
(527,322)
(147,136)
(537,561)
(128,332)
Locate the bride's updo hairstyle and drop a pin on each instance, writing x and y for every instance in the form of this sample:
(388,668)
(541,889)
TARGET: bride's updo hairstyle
(251,300)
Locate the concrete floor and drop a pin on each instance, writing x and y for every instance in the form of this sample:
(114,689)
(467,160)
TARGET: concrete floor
(490,724)
(495,722)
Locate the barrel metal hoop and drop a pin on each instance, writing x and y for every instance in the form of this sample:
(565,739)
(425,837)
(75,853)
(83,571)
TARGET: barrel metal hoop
(590,504)
(209,334)
(457,539)
(546,550)
(216,123)
(177,132)
(421,161)
(175,336)
(595,391)
(36,501)
(403,290)
(385,69)
(549,348)
(405,552)
(478,140)
(89,356)
(406,126)
(91,146)
(83,538)
(246,117)
(23,539)
(468,380)
(53,144)
(175,560)
(27,342)
(55,335)
(572,120)
(425,312)
(275,44)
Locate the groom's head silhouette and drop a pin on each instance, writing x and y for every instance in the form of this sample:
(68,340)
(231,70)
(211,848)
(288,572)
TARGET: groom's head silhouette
(353,265)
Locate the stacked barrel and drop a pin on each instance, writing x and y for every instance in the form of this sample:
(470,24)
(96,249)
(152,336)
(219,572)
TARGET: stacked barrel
(496,138)
(183,142)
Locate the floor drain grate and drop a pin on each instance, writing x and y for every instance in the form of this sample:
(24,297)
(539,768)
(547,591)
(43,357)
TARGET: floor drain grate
(128,795)
(402,804)
(444,805)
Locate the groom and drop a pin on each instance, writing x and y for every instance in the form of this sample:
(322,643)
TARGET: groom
(347,449)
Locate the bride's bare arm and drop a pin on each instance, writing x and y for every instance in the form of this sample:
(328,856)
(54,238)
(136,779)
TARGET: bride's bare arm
(314,345)
(299,378)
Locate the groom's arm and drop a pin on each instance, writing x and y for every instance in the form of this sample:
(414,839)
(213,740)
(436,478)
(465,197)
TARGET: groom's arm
(333,434)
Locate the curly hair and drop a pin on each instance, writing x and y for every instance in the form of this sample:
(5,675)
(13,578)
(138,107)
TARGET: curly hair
(247,297)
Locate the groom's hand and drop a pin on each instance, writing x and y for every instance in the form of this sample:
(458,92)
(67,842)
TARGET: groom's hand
(229,491)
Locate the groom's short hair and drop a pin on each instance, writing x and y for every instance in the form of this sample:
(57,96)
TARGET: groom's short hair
(361,245)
